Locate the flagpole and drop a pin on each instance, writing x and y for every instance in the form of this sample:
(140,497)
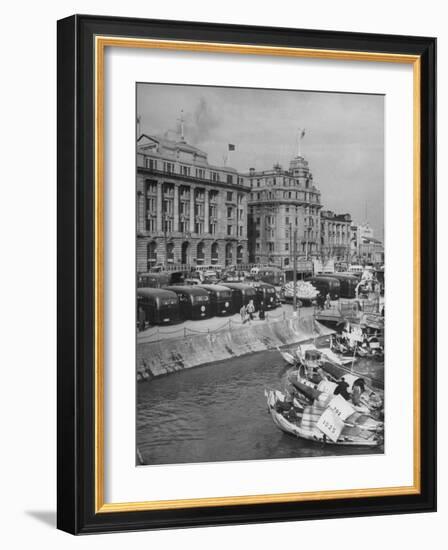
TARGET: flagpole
(301,135)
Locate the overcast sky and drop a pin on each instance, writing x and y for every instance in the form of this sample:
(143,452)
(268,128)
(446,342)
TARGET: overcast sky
(343,142)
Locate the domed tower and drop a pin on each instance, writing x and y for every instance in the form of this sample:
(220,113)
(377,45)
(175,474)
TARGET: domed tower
(299,169)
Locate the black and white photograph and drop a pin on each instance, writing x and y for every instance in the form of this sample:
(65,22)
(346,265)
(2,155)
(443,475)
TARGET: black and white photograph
(260,274)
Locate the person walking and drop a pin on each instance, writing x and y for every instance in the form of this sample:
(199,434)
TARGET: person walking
(251,310)
(243,313)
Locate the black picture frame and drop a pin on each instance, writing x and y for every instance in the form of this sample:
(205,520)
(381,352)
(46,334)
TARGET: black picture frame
(76,285)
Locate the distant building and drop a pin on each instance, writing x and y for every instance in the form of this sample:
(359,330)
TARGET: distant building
(188,211)
(365,248)
(282,201)
(335,236)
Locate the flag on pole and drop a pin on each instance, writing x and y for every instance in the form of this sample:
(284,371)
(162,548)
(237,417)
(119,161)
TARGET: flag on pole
(302,135)
(231,147)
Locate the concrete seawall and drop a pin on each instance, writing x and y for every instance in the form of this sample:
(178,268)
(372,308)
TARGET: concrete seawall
(167,356)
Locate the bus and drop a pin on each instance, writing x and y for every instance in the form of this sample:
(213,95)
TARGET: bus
(194,302)
(241,295)
(160,279)
(266,295)
(348,284)
(160,306)
(326,284)
(220,299)
(271,275)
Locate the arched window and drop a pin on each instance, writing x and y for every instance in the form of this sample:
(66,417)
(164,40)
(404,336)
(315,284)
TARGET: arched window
(200,255)
(170,253)
(215,253)
(229,253)
(239,255)
(152,253)
(184,252)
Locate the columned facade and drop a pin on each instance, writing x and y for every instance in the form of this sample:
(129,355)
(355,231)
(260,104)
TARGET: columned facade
(189,213)
(336,236)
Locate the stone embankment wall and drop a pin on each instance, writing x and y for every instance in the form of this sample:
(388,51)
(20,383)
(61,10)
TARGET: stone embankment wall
(167,356)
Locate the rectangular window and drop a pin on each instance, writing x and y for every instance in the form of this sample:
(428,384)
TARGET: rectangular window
(229,196)
(151,225)
(229,212)
(229,230)
(229,178)
(151,163)
(168,167)
(151,187)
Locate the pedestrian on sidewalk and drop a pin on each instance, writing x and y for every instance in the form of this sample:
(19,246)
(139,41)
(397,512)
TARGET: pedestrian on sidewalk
(251,310)
(243,313)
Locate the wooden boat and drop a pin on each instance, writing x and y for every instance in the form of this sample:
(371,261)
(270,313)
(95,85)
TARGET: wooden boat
(288,357)
(309,422)
(320,387)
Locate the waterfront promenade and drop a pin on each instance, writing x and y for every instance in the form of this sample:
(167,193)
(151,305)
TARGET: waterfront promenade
(216,324)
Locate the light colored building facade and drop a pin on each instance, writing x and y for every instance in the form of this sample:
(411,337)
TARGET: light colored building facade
(365,248)
(335,231)
(188,212)
(282,201)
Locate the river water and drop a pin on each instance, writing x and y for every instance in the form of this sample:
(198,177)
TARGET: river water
(218,412)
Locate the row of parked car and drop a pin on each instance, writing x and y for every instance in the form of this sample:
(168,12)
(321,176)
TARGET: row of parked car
(177,303)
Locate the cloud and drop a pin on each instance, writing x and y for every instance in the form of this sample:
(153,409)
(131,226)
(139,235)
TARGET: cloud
(202,123)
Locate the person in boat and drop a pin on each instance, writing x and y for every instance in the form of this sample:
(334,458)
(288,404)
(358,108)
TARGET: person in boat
(359,387)
(342,390)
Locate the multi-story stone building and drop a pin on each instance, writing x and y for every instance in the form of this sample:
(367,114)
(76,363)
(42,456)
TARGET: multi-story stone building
(282,201)
(188,211)
(365,248)
(335,232)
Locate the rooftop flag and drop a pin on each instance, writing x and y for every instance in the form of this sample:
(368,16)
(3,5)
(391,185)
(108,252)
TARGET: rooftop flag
(231,147)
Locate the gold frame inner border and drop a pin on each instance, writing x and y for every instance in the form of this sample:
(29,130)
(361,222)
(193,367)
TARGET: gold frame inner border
(101,43)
